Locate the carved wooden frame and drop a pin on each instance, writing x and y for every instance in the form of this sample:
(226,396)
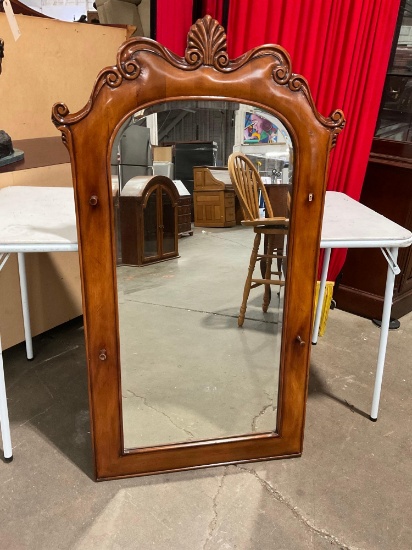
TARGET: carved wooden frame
(146,73)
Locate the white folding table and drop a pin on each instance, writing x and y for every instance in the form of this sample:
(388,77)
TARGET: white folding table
(42,219)
(32,219)
(349,224)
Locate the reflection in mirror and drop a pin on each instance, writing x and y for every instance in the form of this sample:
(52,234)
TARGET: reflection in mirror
(187,371)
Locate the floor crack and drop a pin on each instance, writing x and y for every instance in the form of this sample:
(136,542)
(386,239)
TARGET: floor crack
(44,385)
(213,522)
(210,234)
(280,498)
(144,399)
(261,413)
(234,316)
(35,365)
(35,416)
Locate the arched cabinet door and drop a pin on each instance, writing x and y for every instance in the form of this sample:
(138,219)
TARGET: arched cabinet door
(160,225)
(199,430)
(148,220)
(168,223)
(152,219)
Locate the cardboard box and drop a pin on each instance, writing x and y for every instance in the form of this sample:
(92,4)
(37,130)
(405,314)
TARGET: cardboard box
(162,154)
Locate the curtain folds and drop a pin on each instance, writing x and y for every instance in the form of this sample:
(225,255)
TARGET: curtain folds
(173,21)
(342,48)
(213,8)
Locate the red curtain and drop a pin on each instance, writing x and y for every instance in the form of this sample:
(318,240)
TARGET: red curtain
(342,48)
(213,8)
(173,21)
(174,18)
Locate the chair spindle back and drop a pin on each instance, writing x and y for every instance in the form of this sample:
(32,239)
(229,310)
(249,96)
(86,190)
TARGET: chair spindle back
(247,183)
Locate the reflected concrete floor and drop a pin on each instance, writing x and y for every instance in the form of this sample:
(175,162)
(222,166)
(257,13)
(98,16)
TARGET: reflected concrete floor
(174,389)
(349,490)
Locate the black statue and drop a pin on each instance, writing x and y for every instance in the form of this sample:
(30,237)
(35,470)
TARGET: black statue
(6,146)
(7,154)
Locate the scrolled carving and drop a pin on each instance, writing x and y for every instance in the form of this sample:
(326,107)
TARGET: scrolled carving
(297,82)
(206,44)
(281,74)
(130,69)
(128,66)
(338,118)
(59,112)
(336,121)
(66,139)
(113,77)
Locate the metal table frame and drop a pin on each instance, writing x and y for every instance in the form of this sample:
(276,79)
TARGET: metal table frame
(349,224)
(32,219)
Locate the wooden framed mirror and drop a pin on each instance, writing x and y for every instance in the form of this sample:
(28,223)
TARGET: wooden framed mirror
(148,78)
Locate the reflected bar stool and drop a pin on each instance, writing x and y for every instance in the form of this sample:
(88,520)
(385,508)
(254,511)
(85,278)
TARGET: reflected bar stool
(248,185)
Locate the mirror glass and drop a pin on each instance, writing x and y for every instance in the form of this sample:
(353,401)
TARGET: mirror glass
(188,372)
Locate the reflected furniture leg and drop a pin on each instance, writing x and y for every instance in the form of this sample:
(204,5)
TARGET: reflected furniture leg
(25,305)
(4,415)
(248,282)
(268,269)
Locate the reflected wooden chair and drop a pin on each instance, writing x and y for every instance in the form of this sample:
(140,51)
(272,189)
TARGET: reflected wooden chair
(248,184)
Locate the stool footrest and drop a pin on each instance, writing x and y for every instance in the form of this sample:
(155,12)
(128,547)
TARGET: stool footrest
(258,282)
(278,256)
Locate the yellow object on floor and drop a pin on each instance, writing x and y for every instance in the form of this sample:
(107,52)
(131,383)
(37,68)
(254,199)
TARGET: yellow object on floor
(326,305)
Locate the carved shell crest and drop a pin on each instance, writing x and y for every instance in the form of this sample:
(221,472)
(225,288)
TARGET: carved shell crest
(206,46)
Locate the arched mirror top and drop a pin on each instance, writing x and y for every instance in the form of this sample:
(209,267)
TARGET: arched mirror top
(205,72)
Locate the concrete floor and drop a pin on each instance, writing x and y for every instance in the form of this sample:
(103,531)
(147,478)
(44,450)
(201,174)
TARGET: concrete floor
(351,489)
(199,376)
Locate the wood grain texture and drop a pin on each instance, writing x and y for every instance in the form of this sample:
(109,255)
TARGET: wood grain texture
(146,73)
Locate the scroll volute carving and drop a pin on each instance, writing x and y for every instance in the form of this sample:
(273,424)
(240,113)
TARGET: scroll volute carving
(146,74)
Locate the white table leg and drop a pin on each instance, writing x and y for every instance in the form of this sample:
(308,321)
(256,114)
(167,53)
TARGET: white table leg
(386,315)
(322,286)
(4,415)
(25,305)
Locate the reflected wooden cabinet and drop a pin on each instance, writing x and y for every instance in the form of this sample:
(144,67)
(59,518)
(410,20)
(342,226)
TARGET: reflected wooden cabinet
(184,221)
(213,197)
(184,210)
(148,220)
